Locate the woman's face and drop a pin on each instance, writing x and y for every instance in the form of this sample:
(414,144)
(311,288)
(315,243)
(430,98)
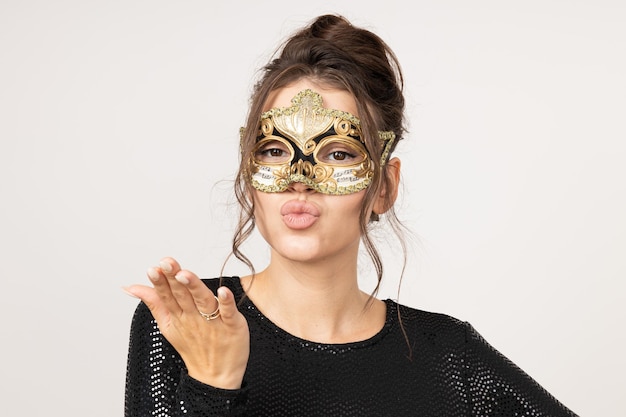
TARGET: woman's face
(299,223)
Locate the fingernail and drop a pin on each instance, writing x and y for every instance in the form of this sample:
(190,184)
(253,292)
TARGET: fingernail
(153,274)
(181,278)
(221,294)
(165,266)
(128,292)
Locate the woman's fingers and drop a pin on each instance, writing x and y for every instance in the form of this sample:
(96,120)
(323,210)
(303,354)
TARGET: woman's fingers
(181,291)
(228,306)
(163,289)
(201,298)
(170,268)
(171,286)
(144,293)
(150,298)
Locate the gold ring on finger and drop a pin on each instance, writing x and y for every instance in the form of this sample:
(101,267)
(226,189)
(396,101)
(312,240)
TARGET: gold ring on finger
(213,315)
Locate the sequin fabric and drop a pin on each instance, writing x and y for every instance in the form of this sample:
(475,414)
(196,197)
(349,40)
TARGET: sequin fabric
(453,372)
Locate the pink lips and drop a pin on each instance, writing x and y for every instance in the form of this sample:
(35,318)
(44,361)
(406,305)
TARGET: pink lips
(299,214)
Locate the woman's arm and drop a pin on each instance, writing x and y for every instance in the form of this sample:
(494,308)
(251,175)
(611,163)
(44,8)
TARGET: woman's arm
(153,370)
(180,361)
(499,388)
(157,383)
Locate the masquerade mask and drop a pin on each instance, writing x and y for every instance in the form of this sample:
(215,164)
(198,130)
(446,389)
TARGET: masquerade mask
(319,147)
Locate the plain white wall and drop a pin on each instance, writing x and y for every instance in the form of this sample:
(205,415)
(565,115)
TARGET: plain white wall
(118,130)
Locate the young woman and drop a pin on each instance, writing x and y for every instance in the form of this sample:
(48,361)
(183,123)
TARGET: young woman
(300,337)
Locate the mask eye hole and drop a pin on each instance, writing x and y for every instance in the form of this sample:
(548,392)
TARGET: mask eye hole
(340,152)
(273,151)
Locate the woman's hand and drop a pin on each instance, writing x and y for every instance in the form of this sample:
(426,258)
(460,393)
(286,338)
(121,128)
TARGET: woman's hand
(215,351)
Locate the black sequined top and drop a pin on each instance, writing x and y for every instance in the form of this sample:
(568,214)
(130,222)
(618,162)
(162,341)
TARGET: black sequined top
(453,372)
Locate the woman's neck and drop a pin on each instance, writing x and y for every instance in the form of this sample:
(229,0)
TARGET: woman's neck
(318,301)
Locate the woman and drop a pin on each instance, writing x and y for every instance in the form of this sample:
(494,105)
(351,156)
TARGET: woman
(300,337)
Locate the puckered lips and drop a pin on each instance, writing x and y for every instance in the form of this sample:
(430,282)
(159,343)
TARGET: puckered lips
(299,214)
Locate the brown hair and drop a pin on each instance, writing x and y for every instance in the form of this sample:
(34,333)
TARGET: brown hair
(332,52)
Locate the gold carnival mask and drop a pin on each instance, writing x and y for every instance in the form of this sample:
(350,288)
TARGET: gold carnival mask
(319,147)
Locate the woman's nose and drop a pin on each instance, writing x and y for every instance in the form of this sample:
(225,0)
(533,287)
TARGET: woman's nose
(299,187)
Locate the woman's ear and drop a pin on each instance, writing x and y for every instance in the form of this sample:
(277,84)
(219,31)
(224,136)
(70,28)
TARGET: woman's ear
(389,191)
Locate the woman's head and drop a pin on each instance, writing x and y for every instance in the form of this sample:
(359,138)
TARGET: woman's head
(333,54)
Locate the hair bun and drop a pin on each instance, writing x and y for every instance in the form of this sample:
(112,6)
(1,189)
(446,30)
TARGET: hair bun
(329,27)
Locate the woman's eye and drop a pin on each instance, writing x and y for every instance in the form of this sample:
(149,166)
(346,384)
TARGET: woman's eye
(335,151)
(273,153)
(339,155)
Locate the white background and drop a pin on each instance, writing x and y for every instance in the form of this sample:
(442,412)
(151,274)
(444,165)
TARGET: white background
(118,130)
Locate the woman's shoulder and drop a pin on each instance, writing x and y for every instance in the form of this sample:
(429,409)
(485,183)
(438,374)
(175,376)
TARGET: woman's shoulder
(435,326)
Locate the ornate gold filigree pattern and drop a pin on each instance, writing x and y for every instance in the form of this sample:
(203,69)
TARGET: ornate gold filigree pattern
(314,145)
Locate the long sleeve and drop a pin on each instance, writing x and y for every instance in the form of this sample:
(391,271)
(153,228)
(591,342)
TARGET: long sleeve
(499,388)
(157,383)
